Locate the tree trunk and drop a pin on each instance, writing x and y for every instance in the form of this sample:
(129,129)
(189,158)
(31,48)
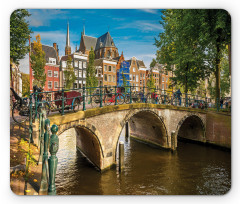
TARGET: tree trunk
(217,75)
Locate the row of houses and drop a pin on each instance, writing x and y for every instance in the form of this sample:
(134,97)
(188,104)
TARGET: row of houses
(110,66)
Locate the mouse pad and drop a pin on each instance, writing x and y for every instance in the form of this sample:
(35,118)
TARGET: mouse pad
(120,102)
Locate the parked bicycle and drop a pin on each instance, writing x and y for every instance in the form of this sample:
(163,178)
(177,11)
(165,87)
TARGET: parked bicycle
(108,97)
(21,110)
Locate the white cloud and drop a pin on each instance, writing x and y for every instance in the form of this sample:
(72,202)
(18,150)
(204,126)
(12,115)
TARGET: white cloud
(42,17)
(153,11)
(24,64)
(144,26)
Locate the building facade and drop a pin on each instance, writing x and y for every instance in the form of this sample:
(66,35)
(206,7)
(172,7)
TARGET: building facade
(51,68)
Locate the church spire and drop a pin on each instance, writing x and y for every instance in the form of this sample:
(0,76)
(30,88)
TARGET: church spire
(68,47)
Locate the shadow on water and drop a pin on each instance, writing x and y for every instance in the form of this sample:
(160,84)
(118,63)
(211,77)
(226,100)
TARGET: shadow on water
(193,169)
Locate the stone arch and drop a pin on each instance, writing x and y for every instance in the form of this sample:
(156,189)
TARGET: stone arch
(191,127)
(158,126)
(87,141)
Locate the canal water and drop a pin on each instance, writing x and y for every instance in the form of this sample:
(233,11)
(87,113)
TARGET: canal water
(192,170)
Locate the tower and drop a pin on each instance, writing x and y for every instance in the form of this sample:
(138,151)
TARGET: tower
(67,47)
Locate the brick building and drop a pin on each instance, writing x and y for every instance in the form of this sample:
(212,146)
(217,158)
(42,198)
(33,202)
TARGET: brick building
(51,68)
(137,73)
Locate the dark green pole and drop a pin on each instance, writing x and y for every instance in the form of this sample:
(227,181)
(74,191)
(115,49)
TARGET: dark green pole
(36,104)
(41,136)
(62,102)
(130,94)
(101,96)
(144,100)
(115,95)
(84,90)
(44,179)
(30,121)
(53,160)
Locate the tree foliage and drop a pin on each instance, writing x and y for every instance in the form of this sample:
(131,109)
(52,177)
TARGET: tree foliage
(37,60)
(192,41)
(180,49)
(151,82)
(19,34)
(69,75)
(25,85)
(91,79)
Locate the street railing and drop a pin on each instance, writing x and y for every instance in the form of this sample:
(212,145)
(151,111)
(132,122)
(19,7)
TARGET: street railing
(92,97)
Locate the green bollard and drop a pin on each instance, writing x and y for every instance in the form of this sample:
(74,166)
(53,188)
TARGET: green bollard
(45,175)
(53,160)
(101,96)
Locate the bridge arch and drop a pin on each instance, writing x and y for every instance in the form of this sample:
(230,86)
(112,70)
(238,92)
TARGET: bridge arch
(87,141)
(145,125)
(191,127)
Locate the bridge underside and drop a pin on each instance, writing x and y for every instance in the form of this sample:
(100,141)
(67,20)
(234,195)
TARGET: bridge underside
(192,129)
(89,145)
(147,127)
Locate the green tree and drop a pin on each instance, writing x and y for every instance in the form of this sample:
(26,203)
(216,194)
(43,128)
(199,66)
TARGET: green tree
(91,79)
(192,41)
(151,83)
(216,33)
(37,60)
(181,50)
(69,76)
(25,85)
(224,77)
(19,35)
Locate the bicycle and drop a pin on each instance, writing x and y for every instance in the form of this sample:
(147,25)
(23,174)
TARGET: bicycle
(21,109)
(108,97)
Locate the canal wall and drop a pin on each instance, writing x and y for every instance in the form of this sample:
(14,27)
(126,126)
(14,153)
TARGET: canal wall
(218,129)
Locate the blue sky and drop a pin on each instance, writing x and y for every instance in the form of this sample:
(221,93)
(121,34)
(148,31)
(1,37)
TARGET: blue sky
(133,30)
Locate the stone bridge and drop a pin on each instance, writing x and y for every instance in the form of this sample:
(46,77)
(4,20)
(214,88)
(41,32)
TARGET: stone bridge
(98,130)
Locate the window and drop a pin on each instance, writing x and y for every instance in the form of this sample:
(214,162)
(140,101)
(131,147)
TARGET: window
(76,73)
(166,79)
(166,86)
(75,63)
(114,69)
(163,86)
(80,64)
(56,74)
(136,78)
(109,68)
(84,64)
(108,53)
(64,64)
(52,60)
(80,73)
(55,84)
(114,78)
(105,77)
(84,74)
(133,77)
(105,68)
(109,78)
(130,77)
(133,69)
(75,85)
(49,84)
(143,82)
(141,75)
(140,82)
(163,79)
(49,73)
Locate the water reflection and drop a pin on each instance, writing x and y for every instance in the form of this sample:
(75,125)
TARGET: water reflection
(193,169)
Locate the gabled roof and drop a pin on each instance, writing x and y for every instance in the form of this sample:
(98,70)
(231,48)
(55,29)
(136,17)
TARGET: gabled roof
(50,52)
(105,41)
(140,63)
(89,42)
